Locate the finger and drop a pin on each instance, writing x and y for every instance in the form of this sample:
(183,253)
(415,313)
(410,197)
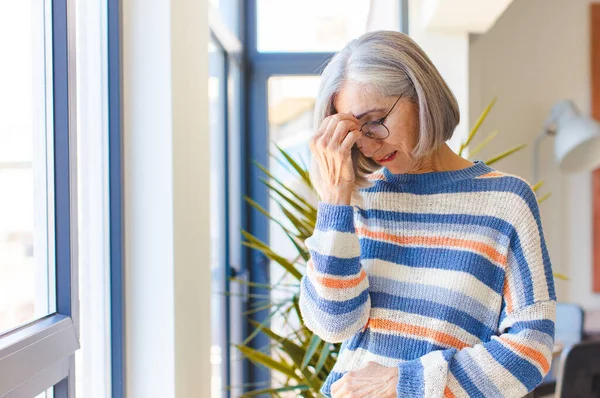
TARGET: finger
(351,139)
(323,135)
(341,131)
(334,119)
(337,385)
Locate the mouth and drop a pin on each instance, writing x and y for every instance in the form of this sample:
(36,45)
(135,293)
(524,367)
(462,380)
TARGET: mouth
(388,158)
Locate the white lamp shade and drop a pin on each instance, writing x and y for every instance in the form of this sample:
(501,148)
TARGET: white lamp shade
(577,141)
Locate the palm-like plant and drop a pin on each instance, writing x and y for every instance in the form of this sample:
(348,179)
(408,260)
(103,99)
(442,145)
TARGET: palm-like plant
(303,359)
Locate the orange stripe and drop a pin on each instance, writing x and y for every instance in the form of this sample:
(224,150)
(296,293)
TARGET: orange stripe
(437,241)
(492,174)
(507,297)
(338,283)
(448,393)
(415,330)
(530,353)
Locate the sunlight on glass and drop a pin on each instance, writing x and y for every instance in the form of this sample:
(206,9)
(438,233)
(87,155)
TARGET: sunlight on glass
(217,130)
(309,25)
(291,105)
(47,394)
(24,158)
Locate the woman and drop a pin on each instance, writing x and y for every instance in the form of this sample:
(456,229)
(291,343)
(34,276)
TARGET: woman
(430,269)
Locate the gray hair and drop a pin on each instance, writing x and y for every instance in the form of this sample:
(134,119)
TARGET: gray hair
(391,64)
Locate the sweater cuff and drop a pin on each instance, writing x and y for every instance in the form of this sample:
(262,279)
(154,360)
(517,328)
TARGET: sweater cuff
(335,217)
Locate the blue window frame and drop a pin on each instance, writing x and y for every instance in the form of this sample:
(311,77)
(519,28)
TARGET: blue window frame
(115,162)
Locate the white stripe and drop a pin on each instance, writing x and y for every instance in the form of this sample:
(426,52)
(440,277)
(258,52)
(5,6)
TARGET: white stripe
(537,311)
(334,243)
(530,244)
(357,359)
(456,388)
(458,281)
(435,372)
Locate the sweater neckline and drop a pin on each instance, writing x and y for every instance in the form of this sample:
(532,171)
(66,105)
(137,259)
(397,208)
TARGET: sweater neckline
(439,177)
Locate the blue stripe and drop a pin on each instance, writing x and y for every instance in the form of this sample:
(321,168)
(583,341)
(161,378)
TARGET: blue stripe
(332,378)
(433,310)
(498,184)
(331,306)
(335,217)
(542,325)
(436,258)
(495,223)
(523,269)
(515,280)
(398,347)
(411,378)
(520,368)
(334,265)
(328,323)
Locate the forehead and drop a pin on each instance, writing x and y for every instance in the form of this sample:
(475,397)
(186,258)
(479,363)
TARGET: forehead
(354,99)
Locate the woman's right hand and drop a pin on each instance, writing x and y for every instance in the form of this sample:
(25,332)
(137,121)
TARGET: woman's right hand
(331,148)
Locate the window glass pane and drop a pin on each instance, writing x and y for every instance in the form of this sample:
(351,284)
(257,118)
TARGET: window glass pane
(237,290)
(93,360)
(229,11)
(217,226)
(291,105)
(47,394)
(26,255)
(310,25)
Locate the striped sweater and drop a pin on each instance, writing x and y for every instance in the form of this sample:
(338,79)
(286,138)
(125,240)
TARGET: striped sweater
(445,275)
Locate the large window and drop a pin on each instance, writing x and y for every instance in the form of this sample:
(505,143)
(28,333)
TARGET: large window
(38,206)
(290,43)
(262,86)
(26,166)
(224,92)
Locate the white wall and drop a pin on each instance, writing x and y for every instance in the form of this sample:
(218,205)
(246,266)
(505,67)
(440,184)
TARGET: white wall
(166,173)
(535,55)
(449,52)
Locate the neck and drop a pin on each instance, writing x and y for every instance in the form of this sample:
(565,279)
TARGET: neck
(442,159)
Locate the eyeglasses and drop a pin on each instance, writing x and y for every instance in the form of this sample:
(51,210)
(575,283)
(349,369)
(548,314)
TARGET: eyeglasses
(375,129)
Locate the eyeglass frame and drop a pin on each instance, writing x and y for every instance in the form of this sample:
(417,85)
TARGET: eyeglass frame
(379,122)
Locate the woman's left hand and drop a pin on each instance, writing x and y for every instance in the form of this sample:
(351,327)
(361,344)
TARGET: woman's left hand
(373,380)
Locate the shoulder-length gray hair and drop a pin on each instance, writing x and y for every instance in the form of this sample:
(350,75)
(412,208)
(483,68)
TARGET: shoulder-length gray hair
(391,64)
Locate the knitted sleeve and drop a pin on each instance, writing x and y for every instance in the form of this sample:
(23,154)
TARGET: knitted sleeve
(334,293)
(514,361)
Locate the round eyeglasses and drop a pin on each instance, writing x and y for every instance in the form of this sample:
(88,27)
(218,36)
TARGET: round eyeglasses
(375,129)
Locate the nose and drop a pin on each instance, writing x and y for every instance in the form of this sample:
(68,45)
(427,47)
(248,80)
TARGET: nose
(368,147)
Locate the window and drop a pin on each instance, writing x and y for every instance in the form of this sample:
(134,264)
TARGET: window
(38,318)
(225,97)
(26,147)
(310,25)
(217,236)
(291,101)
(289,44)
